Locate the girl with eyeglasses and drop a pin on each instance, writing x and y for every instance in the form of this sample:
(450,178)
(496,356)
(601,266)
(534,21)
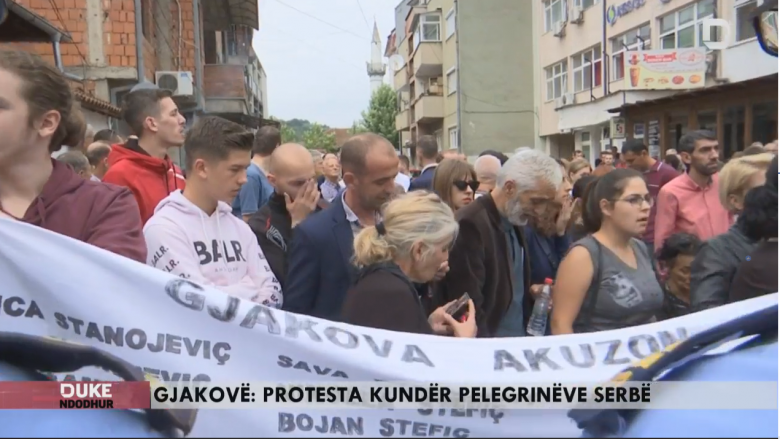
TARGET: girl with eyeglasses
(607,281)
(455,182)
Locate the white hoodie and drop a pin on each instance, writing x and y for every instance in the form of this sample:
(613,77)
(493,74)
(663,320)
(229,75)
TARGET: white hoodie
(218,250)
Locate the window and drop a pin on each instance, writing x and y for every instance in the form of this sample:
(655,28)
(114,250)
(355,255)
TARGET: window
(450,23)
(452,81)
(588,3)
(684,27)
(744,23)
(557,80)
(553,13)
(438,139)
(636,39)
(453,132)
(586,69)
(428,29)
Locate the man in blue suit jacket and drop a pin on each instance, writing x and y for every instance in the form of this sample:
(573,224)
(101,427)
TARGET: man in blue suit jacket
(320,269)
(427,151)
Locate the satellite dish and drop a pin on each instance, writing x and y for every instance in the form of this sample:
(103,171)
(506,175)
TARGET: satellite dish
(397,62)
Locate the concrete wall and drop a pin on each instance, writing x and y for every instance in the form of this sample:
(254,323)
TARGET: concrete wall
(496,87)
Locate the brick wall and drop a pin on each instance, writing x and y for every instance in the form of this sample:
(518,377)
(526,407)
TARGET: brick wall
(223,80)
(69,15)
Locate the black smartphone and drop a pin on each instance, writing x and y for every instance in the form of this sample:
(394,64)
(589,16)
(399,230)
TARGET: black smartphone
(460,307)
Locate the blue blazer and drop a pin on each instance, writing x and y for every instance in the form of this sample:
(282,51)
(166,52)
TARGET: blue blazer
(423,181)
(319,267)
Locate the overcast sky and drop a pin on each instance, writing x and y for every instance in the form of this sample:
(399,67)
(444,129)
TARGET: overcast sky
(315,57)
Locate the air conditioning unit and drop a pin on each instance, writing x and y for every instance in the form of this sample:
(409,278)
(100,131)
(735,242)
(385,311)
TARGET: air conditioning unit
(179,83)
(576,14)
(559,29)
(568,98)
(560,102)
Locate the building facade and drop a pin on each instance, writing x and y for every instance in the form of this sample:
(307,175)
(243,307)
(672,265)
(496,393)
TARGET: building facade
(594,91)
(201,50)
(463,73)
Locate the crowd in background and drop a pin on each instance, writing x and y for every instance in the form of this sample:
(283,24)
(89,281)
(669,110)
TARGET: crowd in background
(353,236)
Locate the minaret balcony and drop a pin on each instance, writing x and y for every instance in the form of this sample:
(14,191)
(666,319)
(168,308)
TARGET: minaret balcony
(427,59)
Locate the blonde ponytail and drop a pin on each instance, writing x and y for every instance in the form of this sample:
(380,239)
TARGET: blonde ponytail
(371,248)
(418,216)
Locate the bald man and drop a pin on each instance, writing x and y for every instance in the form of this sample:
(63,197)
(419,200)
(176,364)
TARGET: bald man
(486,168)
(97,154)
(320,258)
(291,171)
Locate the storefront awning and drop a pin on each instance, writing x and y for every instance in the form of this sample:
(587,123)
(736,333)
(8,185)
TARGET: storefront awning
(23,25)
(762,81)
(596,112)
(219,15)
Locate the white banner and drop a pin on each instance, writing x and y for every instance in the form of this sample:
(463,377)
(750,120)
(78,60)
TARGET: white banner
(179,331)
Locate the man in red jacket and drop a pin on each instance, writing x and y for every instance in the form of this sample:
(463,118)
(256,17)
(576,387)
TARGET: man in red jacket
(142,163)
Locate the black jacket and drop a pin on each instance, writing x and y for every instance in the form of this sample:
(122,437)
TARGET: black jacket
(272,225)
(480,266)
(383,297)
(715,266)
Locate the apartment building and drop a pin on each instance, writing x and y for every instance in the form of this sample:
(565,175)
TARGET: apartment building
(201,50)
(463,72)
(611,70)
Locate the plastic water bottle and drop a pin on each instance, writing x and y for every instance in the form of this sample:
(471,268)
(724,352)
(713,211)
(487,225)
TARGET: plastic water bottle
(537,325)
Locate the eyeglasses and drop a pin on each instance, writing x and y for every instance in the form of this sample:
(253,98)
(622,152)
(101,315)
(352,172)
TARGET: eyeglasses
(462,185)
(637,200)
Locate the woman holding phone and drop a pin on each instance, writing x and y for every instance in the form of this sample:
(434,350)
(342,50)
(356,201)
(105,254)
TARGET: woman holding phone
(410,245)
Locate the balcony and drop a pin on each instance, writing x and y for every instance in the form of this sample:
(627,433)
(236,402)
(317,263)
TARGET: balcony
(400,81)
(227,93)
(429,108)
(402,120)
(427,59)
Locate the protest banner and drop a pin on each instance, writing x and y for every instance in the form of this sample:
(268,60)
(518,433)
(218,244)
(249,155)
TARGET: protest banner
(180,331)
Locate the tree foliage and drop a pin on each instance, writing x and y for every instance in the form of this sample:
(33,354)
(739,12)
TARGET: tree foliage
(357,128)
(289,135)
(317,137)
(379,118)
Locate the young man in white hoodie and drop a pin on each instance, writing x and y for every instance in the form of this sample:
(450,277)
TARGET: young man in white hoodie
(194,235)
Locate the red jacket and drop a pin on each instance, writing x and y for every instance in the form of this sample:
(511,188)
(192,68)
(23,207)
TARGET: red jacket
(149,179)
(103,215)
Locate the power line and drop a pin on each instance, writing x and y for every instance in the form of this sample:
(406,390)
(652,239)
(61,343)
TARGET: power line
(365,20)
(321,20)
(62,23)
(311,46)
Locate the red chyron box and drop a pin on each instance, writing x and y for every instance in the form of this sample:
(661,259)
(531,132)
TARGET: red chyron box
(75,395)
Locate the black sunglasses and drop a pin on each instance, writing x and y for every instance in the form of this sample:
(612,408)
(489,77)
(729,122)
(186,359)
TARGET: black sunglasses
(462,185)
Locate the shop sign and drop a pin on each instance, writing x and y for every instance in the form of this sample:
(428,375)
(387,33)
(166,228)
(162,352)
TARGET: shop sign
(616,11)
(618,128)
(665,69)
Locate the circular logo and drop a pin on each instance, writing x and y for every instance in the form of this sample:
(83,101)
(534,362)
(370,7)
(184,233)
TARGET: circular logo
(611,15)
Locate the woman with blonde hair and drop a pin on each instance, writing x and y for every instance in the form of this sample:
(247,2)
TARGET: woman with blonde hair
(455,182)
(716,264)
(409,245)
(578,168)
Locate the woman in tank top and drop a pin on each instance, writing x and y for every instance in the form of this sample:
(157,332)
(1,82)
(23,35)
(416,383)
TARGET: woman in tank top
(606,281)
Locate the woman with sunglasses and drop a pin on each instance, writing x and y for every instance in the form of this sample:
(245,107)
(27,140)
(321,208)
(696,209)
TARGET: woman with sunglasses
(455,182)
(607,281)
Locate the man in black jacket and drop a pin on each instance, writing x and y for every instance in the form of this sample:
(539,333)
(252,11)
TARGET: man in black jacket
(291,172)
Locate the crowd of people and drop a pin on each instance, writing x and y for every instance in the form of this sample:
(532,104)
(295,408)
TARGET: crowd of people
(354,236)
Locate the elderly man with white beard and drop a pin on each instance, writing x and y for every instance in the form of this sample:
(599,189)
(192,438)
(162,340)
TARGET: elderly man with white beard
(489,259)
